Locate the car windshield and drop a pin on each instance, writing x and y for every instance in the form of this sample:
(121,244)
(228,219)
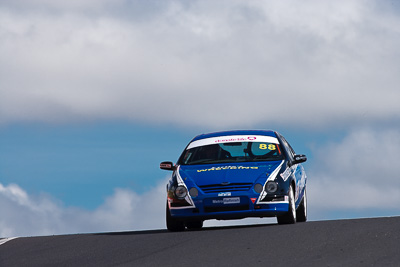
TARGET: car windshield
(231,152)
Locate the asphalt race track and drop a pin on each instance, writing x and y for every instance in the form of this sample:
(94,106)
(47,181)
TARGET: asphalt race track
(360,242)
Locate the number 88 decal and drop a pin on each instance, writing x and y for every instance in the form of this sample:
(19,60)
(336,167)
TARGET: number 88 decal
(267,146)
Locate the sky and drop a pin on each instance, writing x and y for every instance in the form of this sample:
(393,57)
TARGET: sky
(95,94)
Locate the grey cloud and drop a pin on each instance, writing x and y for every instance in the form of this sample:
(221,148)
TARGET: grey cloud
(210,64)
(357,173)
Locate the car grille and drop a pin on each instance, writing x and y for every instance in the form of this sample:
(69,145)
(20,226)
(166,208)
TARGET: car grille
(216,188)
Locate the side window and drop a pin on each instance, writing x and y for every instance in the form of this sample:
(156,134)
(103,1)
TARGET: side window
(289,149)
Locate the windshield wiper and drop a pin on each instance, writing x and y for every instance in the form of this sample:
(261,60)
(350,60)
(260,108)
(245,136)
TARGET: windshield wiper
(200,161)
(261,158)
(210,161)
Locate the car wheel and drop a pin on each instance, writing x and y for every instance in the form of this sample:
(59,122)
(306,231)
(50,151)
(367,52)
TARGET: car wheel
(173,225)
(290,216)
(194,225)
(301,212)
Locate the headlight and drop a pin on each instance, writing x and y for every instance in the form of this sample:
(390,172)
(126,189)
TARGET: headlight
(271,187)
(193,192)
(181,192)
(258,188)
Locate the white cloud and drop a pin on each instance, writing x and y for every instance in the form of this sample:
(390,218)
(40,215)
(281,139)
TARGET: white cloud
(125,210)
(356,174)
(219,64)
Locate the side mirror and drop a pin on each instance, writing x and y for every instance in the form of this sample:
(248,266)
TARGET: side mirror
(299,159)
(167,165)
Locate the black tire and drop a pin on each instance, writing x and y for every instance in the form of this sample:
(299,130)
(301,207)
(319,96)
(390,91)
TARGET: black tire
(290,216)
(194,225)
(301,212)
(174,225)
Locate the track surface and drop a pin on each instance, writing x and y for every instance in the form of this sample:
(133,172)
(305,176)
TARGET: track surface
(361,242)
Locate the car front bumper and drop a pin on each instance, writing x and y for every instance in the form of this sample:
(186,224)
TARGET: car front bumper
(226,208)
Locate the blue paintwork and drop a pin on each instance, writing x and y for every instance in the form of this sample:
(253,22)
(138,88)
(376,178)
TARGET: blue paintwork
(216,174)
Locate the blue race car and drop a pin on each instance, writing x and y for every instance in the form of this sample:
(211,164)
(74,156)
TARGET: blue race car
(234,175)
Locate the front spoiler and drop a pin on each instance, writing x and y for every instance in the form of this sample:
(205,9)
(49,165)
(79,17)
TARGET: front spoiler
(268,209)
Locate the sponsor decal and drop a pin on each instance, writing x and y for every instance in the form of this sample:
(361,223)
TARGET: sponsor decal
(236,139)
(224,194)
(285,175)
(233,139)
(227,200)
(228,168)
(165,165)
(253,199)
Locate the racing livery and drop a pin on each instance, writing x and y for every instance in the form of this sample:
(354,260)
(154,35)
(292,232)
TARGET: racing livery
(234,175)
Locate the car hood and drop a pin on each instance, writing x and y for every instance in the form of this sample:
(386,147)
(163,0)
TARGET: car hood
(245,172)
